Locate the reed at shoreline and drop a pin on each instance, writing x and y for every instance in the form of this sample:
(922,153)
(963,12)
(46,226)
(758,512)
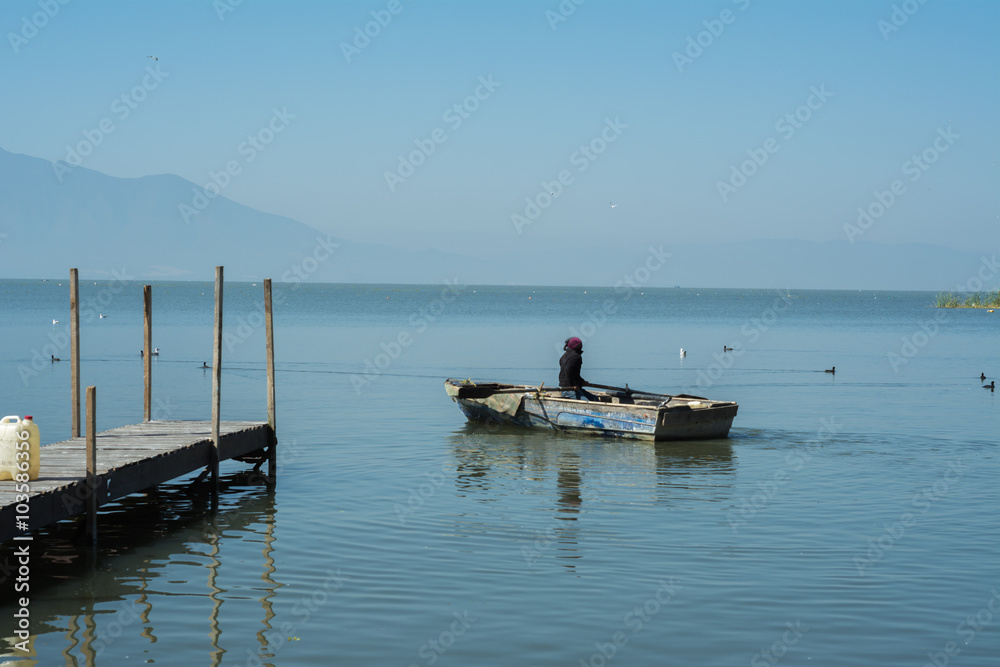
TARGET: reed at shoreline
(974,300)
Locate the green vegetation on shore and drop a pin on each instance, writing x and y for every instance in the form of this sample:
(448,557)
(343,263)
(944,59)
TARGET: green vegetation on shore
(974,300)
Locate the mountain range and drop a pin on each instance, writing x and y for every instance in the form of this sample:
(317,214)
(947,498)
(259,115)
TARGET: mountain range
(55,216)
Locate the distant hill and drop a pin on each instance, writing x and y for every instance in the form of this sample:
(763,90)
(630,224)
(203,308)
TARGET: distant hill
(99,223)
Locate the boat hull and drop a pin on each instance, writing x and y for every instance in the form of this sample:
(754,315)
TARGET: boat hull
(654,417)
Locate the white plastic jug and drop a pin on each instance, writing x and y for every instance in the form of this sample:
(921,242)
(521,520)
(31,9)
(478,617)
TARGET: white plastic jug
(20,447)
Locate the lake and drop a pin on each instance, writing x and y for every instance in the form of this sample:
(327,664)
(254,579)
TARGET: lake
(849,519)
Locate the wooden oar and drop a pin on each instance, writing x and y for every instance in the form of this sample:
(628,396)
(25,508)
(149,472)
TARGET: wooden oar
(624,389)
(483,391)
(529,389)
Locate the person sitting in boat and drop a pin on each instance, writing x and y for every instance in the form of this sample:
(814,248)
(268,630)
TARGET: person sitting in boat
(569,371)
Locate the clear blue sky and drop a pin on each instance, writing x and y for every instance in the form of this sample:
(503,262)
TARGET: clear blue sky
(890,95)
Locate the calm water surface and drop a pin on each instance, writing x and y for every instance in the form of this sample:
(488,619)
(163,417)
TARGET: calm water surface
(850,519)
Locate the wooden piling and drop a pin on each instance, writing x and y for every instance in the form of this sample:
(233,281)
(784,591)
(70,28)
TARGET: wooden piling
(91,525)
(217,379)
(147,356)
(74,350)
(269,330)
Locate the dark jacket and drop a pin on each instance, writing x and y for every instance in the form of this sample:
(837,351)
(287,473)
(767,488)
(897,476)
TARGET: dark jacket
(569,369)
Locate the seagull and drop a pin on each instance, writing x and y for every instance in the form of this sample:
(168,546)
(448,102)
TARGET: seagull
(155,353)
(683,352)
(102,316)
(55,321)
(153,57)
(613,204)
(831,370)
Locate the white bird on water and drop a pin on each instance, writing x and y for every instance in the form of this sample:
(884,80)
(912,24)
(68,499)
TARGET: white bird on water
(155,353)
(102,316)
(55,321)
(684,352)
(613,204)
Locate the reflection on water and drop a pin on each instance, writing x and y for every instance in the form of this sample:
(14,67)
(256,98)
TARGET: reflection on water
(502,462)
(95,599)
(569,501)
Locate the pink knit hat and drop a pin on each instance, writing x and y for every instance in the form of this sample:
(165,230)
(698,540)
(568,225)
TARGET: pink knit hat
(574,343)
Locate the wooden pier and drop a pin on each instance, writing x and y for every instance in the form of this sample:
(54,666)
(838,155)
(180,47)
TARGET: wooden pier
(130,459)
(79,475)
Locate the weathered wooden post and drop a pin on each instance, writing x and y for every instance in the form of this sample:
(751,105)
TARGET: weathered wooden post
(269,330)
(74,350)
(216,383)
(147,355)
(91,525)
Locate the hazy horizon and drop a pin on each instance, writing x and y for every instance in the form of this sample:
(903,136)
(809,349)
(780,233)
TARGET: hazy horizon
(497,130)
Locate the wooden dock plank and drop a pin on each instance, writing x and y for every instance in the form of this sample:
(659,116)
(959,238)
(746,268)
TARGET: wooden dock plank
(129,459)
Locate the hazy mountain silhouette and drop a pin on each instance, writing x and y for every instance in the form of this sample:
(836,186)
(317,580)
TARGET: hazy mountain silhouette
(100,223)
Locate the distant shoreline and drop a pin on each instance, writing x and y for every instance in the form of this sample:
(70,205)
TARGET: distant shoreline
(988,300)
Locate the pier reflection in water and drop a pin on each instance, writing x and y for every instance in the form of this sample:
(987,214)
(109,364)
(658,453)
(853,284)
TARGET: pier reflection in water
(144,539)
(507,464)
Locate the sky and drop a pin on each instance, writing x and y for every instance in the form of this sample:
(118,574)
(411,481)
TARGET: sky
(486,127)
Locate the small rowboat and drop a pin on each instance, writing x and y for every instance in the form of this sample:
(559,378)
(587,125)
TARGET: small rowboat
(624,413)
